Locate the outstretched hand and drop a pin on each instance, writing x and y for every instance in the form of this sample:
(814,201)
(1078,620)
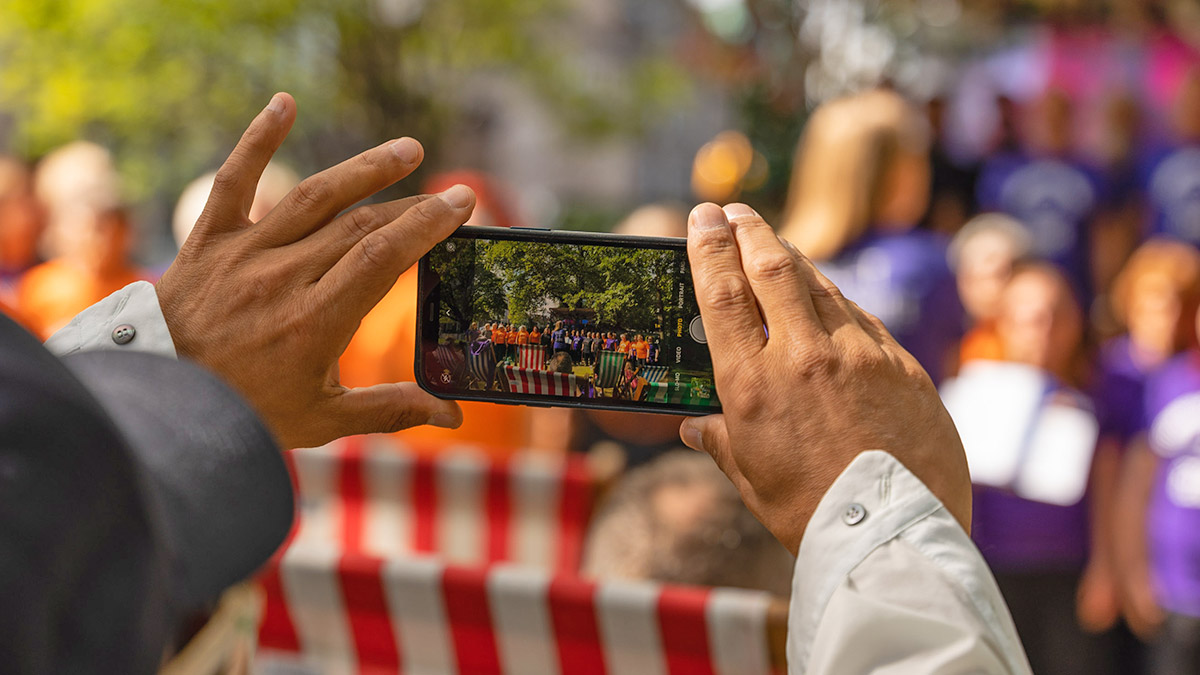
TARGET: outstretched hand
(270,306)
(807,379)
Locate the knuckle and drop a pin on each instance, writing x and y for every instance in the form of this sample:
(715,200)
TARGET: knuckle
(427,210)
(373,250)
(773,266)
(360,222)
(228,177)
(728,292)
(811,362)
(311,194)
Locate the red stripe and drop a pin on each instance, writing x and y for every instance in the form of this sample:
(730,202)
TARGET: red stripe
(276,631)
(574,509)
(681,619)
(470,618)
(424,491)
(499,512)
(353,493)
(367,612)
(576,633)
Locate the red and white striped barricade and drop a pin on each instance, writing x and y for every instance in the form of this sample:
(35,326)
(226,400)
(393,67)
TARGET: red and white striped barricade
(371,495)
(357,614)
(530,381)
(531,356)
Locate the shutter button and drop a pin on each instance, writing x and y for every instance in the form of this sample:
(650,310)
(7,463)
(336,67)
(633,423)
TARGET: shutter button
(854,514)
(123,334)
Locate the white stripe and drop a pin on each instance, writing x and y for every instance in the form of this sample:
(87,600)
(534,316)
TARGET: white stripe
(628,622)
(388,512)
(535,491)
(317,471)
(314,599)
(461,521)
(521,620)
(737,632)
(413,587)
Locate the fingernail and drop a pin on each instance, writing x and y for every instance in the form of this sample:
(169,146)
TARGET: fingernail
(692,437)
(276,104)
(733,211)
(406,150)
(444,420)
(708,217)
(458,197)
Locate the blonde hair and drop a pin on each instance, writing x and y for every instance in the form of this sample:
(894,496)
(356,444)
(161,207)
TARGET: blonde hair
(1176,263)
(847,149)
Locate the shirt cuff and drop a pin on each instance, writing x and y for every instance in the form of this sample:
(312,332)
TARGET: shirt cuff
(129,319)
(875,500)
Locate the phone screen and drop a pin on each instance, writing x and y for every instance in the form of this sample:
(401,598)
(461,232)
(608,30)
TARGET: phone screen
(559,318)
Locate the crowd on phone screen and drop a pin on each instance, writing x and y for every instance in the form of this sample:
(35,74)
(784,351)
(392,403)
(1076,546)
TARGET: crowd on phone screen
(584,345)
(1084,265)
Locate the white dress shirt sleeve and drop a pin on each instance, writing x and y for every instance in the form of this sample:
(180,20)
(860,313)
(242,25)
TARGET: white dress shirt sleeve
(133,307)
(887,582)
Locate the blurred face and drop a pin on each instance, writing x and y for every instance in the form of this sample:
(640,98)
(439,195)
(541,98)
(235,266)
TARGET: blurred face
(904,194)
(1050,124)
(1154,313)
(1039,324)
(983,270)
(20,227)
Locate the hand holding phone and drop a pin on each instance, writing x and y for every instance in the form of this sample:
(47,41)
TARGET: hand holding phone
(562,318)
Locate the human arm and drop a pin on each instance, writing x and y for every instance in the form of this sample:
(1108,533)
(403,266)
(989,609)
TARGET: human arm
(1139,606)
(1098,603)
(270,305)
(802,405)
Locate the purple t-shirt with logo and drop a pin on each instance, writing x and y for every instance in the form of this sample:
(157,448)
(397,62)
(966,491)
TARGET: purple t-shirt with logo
(1171,180)
(1021,535)
(903,278)
(1173,517)
(1054,197)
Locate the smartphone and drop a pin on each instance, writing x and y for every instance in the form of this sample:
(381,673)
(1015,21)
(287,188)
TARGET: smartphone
(555,318)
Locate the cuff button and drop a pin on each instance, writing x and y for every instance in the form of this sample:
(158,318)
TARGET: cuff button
(123,334)
(854,514)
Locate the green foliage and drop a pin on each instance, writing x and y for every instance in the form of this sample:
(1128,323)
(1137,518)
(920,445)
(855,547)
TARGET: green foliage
(468,290)
(170,85)
(518,281)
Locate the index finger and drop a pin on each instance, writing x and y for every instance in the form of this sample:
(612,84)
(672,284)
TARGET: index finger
(233,189)
(735,327)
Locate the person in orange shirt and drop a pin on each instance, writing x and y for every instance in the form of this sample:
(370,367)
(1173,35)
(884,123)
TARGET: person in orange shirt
(641,349)
(535,337)
(382,349)
(623,347)
(88,239)
(500,339)
(522,336)
(982,255)
(21,221)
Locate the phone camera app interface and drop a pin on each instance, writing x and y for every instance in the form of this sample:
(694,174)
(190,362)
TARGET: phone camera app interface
(560,320)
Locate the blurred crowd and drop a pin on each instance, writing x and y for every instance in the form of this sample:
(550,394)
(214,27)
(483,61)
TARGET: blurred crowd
(1082,263)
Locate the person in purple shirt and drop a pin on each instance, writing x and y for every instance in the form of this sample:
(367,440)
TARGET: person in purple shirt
(1171,171)
(1173,512)
(1041,554)
(1045,186)
(559,338)
(864,163)
(577,345)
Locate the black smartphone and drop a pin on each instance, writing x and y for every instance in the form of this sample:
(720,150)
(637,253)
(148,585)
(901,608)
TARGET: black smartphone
(556,318)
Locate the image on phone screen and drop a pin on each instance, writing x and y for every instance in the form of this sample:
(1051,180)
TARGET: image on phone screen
(560,318)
